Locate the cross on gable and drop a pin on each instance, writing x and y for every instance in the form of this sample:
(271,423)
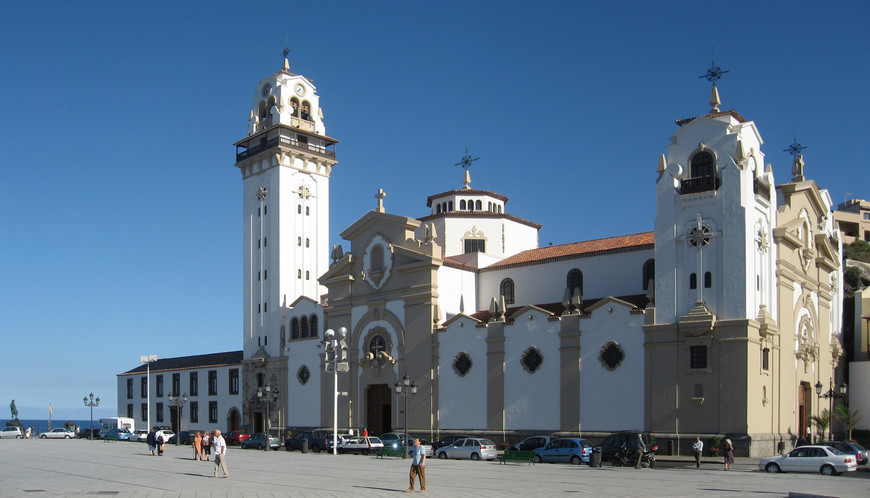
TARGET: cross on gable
(380,197)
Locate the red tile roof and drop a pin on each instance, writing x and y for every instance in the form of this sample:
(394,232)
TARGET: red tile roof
(621,243)
(734,114)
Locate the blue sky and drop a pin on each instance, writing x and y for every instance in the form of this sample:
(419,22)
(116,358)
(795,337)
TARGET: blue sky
(121,206)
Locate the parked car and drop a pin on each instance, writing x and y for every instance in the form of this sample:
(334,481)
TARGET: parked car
(390,437)
(235,438)
(260,440)
(186,436)
(59,433)
(86,433)
(813,458)
(364,445)
(612,443)
(849,448)
(533,443)
(395,443)
(117,435)
(139,435)
(317,440)
(448,440)
(473,448)
(565,450)
(11,432)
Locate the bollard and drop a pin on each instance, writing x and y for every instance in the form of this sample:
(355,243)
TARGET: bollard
(305,445)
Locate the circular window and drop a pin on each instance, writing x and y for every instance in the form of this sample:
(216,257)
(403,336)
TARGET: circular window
(532,360)
(462,364)
(303,375)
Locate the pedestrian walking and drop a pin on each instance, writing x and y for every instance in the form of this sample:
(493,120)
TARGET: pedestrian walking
(698,448)
(197,446)
(160,438)
(206,445)
(220,454)
(151,440)
(639,447)
(418,466)
(729,454)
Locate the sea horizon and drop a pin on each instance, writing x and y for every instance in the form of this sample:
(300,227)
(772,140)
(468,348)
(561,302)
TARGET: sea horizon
(42,425)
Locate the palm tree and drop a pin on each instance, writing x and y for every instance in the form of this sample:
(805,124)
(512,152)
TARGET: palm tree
(849,418)
(822,421)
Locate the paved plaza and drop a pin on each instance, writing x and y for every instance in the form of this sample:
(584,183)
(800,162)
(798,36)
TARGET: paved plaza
(82,467)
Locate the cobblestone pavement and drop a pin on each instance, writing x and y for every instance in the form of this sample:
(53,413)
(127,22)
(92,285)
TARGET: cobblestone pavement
(81,467)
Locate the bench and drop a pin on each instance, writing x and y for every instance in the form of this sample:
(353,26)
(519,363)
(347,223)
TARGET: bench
(386,451)
(517,456)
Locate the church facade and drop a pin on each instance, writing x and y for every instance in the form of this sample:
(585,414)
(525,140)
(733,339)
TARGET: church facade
(719,321)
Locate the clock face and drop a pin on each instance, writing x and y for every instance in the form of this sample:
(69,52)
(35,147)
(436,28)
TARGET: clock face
(267,89)
(300,90)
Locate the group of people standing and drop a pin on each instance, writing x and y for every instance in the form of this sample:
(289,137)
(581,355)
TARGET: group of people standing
(727,452)
(203,442)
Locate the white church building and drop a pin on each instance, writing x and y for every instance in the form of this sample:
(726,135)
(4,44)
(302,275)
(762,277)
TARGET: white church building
(717,322)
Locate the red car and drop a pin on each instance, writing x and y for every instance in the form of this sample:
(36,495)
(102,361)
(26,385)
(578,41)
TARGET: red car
(235,438)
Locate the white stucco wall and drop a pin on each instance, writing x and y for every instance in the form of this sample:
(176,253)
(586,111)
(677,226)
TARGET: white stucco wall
(612,399)
(618,274)
(462,398)
(457,291)
(532,399)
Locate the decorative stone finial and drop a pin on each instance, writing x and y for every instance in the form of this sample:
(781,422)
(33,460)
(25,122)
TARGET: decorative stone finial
(714,100)
(797,169)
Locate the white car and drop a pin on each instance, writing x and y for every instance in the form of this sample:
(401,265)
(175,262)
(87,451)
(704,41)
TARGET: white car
(11,432)
(814,458)
(59,433)
(139,435)
(364,445)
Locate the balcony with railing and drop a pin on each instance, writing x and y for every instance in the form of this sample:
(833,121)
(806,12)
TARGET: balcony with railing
(285,138)
(699,184)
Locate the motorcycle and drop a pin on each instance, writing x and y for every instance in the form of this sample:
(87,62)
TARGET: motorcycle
(627,457)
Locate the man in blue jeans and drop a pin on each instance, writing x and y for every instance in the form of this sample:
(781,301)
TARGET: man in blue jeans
(639,446)
(418,466)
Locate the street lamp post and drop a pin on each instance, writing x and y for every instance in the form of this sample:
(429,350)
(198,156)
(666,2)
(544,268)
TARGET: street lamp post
(178,402)
(406,388)
(148,360)
(91,402)
(337,346)
(831,394)
(268,396)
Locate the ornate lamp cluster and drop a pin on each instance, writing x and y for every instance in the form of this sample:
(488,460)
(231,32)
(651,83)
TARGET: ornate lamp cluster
(406,389)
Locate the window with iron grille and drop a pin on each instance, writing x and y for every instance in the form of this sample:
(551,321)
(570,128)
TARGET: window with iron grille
(699,357)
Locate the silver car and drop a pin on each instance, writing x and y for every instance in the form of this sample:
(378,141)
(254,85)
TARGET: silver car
(59,433)
(472,448)
(11,432)
(816,458)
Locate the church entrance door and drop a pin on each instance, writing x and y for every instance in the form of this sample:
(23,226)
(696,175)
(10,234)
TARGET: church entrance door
(803,409)
(379,409)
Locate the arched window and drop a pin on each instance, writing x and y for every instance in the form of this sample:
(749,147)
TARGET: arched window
(304,327)
(708,280)
(703,165)
(307,242)
(450,206)
(471,205)
(693,281)
(462,205)
(298,273)
(306,111)
(499,208)
(294,103)
(294,329)
(575,280)
(438,209)
(506,289)
(307,211)
(477,205)
(649,272)
(313,325)
(299,208)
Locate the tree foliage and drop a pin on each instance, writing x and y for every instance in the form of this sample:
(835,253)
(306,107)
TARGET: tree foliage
(822,421)
(849,418)
(858,250)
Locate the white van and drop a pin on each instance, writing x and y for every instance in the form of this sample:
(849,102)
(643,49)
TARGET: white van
(109,423)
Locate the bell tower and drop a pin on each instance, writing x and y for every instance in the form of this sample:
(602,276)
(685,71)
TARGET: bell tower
(285,162)
(715,212)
